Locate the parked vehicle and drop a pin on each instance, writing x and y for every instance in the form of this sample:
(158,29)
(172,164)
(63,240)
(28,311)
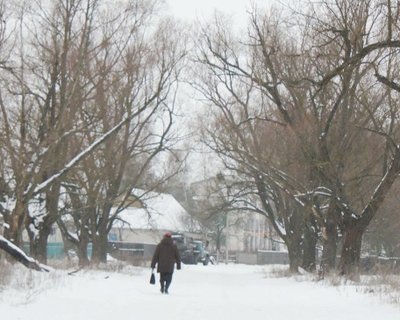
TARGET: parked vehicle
(192,251)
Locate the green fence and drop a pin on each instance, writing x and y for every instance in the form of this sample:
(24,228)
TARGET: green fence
(55,250)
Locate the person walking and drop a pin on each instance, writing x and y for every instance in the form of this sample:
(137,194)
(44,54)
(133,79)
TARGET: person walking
(165,256)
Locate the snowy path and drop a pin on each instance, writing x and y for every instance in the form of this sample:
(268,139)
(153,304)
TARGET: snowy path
(198,292)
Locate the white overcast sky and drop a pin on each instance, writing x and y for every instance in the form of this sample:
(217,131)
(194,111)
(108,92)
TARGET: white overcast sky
(190,10)
(202,10)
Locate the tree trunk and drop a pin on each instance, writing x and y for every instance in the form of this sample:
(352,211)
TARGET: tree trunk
(80,244)
(351,250)
(15,223)
(20,256)
(294,251)
(354,229)
(99,254)
(41,245)
(82,252)
(38,244)
(309,249)
(41,240)
(329,251)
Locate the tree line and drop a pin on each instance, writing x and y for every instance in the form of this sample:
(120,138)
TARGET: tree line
(302,110)
(86,98)
(305,105)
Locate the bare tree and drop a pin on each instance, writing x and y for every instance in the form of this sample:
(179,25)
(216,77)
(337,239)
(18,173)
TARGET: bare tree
(138,79)
(381,236)
(68,62)
(321,86)
(243,138)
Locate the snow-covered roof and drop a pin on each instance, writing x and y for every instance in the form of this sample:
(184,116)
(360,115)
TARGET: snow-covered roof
(161,211)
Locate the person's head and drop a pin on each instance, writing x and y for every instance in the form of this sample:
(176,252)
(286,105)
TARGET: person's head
(167,235)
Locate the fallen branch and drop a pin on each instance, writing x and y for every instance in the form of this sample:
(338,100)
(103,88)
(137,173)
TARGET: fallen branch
(21,256)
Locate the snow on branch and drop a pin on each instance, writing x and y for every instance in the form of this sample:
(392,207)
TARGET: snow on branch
(20,255)
(39,188)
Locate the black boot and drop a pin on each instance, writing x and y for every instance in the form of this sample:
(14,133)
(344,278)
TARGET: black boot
(166,287)
(167,283)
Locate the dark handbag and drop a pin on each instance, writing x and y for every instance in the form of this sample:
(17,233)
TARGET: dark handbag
(152,278)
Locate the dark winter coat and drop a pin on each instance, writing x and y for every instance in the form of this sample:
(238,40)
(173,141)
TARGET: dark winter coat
(165,256)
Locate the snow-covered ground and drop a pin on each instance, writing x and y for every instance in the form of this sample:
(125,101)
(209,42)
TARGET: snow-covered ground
(197,292)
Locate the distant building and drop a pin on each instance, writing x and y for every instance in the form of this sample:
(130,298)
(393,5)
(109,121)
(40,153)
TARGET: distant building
(246,231)
(141,226)
(152,215)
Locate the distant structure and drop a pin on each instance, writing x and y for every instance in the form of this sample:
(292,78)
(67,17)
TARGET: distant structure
(242,233)
(140,227)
